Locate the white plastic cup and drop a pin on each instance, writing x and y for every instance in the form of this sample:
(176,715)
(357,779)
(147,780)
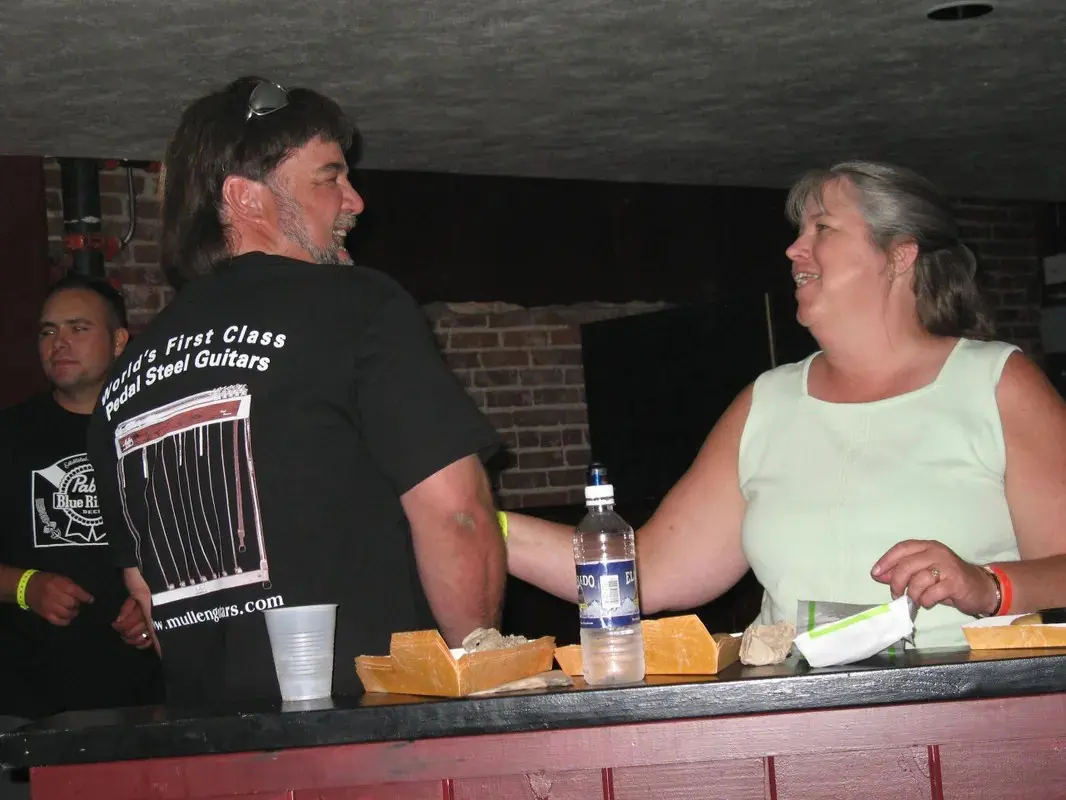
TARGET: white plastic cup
(301,640)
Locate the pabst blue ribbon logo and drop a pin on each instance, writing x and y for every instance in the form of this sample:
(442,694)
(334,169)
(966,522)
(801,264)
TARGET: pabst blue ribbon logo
(66,511)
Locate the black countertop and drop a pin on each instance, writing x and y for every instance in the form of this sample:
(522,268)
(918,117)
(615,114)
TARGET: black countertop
(156,732)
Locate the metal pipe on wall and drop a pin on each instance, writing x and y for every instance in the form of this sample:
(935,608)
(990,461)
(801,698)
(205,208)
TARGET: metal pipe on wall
(82,222)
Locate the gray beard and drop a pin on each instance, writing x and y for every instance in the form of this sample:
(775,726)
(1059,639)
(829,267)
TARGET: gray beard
(294,228)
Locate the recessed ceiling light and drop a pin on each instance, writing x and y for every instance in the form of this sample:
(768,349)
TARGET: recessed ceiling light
(962,9)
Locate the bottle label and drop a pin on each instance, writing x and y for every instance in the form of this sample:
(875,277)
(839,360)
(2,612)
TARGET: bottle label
(607,594)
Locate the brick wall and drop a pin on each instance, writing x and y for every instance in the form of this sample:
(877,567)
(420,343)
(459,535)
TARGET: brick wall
(523,368)
(523,365)
(1005,240)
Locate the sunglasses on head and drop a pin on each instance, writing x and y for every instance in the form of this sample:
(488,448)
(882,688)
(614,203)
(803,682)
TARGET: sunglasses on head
(266,98)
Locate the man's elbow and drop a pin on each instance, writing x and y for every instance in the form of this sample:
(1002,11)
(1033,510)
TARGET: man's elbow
(466,591)
(485,610)
(491,581)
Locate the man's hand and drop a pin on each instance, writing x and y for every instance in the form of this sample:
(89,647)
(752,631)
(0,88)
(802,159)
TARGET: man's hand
(55,597)
(132,626)
(142,596)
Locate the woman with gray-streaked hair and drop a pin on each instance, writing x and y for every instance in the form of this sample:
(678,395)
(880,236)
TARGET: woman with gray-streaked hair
(911,451)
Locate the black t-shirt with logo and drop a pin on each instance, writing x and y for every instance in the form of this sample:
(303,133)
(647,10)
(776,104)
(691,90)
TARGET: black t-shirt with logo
(52,523)
(256,440)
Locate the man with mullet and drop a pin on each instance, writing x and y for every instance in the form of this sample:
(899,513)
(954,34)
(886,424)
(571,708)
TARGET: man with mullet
(286,432)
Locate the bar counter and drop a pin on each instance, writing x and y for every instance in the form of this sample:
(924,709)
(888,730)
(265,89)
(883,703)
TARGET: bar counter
(933,724)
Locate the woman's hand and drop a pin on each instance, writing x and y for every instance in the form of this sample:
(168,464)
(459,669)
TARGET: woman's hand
(930,573)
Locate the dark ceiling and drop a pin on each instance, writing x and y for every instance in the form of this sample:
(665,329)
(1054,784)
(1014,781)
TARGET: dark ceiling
(735,92)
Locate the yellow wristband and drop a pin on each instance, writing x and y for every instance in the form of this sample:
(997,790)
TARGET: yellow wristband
(20,592)
(501,519)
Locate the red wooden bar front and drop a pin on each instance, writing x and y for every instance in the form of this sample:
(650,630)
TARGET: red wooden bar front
(997,748)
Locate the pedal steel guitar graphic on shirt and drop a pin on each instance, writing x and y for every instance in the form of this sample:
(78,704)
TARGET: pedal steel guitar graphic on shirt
(190,463)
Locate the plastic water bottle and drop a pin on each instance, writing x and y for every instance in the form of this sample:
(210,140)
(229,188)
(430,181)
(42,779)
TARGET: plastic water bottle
(612,648)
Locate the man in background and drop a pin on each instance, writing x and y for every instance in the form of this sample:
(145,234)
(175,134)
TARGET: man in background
(71,637)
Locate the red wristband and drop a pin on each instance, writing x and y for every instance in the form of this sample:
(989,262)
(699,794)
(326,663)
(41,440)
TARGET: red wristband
(1006,587)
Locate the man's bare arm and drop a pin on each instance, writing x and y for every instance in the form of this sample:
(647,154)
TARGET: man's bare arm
(140,592)
(458,547)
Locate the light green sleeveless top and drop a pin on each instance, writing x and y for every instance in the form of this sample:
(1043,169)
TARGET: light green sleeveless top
(830,487)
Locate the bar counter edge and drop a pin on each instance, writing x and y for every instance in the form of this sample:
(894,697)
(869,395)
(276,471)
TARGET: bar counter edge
(156,732)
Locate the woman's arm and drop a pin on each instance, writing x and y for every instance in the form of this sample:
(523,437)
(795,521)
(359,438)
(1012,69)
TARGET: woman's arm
(1034,430)
(688,553)
(1033,416)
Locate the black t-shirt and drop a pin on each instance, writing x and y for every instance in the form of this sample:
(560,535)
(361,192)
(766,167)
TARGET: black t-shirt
(257,439)
(51,522)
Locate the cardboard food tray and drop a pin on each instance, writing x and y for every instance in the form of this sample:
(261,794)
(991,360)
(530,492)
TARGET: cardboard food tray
(997,633)
(672,646)
(420,663)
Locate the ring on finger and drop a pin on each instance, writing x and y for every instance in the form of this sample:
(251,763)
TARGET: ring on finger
(935,573)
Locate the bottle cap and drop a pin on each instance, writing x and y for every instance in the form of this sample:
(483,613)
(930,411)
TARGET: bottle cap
(603,491)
